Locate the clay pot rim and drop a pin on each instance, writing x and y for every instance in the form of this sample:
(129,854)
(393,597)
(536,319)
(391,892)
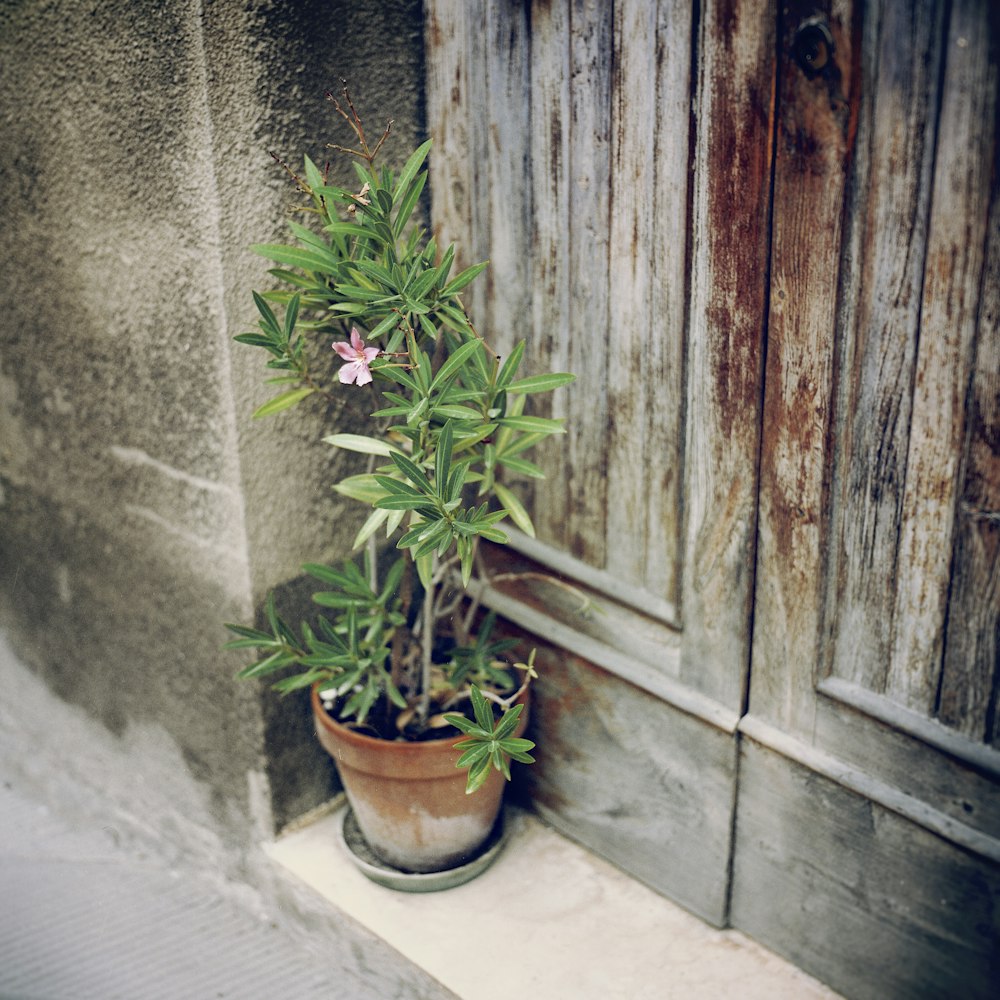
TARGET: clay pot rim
(363,751)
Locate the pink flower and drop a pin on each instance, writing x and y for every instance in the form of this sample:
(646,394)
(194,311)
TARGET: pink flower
(359,358)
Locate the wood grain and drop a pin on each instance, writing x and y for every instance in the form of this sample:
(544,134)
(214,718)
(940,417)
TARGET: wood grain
(815,135)
(970,685)
(879,360)
(735,94)
(952,275)
(589,239)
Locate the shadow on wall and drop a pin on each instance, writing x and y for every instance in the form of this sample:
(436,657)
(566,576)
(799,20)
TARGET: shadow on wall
(137,511)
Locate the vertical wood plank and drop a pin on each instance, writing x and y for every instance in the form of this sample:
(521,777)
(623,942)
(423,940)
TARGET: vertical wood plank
(953,269)
(450,179)
(507,179)
(587,399)
(970,685)
(879,358)
(735,94)
(629,291)
(550,139)
(814,142)
(663,367)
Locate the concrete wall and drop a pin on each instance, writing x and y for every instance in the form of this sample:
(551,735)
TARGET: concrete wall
(139,506)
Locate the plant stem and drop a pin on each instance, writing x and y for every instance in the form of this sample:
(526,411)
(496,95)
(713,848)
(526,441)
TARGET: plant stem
(427,644)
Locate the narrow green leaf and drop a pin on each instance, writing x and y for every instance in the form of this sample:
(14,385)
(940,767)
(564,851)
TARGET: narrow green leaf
(362,487)
(411,167)
(510,366)
(515,508)
(361,443)
(267,314)
(457,359)
(508,723)
(536,425)
(291,315)
(307,260)
(522,466)
(463,278)
(478,773)
(282,402)
(541,383)
(425,570)
(473,754)
(412,472)
(375,520)
(493,535)
(481,709)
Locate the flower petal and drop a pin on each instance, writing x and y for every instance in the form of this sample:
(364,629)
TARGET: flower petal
(364,375)
(371,353)
(344,350)
(356,342)
(350,372)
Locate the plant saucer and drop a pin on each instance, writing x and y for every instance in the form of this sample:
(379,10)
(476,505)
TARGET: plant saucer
(386,875)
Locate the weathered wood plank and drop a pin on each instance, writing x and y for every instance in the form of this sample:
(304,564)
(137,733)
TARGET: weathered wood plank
(815,135)
(735,93)
(858,896)
(589,336)
(506,180)
(629,323)
(550,250)
(969,688)
(879,354)
(952,274)
(664,356)
(666,817)
(451,179)
(910,753)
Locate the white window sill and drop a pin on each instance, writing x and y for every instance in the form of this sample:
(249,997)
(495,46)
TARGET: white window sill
(548,919)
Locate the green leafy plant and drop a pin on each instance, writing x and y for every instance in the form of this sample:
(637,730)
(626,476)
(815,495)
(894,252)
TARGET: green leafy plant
(447,420)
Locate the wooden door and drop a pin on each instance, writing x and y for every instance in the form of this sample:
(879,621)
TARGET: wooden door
(766,239)
(869,750)
(568,155)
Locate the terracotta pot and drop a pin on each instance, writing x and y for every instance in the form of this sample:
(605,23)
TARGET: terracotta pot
(409,798)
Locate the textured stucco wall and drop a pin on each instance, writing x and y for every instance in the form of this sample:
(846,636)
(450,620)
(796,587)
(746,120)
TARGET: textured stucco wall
(139,506)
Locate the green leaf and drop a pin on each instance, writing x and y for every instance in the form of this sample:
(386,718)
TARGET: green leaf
(508,723)
(412,472)
(267,314)
(425,570)
(400,502)
(541,383)
(411,167)
(282,402)
(481,710)
(361,443)
(375,520)
(462,279)
(515,508)
(474,753)
(457,359)
(442,458)
(307,260)
(353,229)
(510,366)
(522,466)
(534,425)
(478,774)
(291,315)
(362,487)
(493,535)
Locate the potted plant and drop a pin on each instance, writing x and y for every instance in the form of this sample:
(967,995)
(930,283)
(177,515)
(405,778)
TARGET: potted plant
(411,694)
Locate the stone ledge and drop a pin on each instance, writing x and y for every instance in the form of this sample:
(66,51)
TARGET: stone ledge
(549,920)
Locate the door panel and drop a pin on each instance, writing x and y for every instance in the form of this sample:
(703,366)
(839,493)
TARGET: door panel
(767,240)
